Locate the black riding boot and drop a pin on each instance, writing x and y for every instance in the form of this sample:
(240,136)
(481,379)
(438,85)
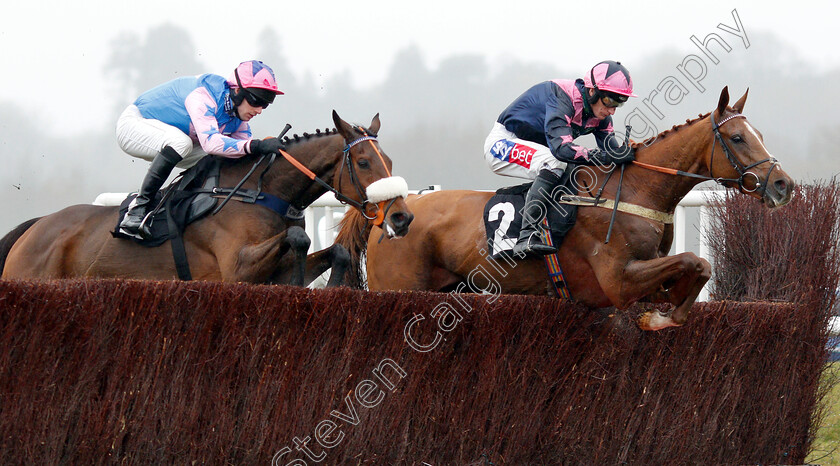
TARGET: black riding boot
(530,241)
(159,171)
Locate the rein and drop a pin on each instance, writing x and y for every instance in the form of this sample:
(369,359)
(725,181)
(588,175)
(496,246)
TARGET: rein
(251,172)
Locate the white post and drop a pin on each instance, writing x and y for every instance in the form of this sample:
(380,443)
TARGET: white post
(327,235)
(309,218)
(679,229)
(704,248)
(700,199)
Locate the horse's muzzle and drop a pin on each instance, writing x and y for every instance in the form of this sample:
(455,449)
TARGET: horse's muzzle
(779,192)
(397,223)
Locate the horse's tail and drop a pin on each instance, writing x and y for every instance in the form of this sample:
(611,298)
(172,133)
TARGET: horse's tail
(353,231)
(9,240)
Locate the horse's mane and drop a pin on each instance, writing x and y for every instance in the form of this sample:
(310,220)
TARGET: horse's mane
(647,142)
(299,139)
(295,139)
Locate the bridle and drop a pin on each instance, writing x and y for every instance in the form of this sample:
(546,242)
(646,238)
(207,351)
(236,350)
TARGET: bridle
(743,171)
(381,209)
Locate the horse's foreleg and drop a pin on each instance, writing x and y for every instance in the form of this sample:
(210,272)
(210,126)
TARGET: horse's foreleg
(689,290)
(339,260)
(334,257)
(681,276)
(258,262)
(299,242)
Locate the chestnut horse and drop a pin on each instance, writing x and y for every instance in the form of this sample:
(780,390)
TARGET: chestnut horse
(242,242)
(446,247)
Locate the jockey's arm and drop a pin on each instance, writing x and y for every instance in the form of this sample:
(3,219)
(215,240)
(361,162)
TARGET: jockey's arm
(609,150)
(559,133)
(202,110)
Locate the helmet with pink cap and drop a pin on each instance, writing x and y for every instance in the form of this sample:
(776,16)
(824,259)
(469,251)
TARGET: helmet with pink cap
(257,79)
(610,79)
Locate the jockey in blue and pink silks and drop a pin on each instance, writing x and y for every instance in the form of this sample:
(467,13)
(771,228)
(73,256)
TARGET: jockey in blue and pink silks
(179,122)
(534,138)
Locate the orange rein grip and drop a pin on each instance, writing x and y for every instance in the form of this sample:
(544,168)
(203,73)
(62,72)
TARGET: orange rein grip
(298,165)
(669,171)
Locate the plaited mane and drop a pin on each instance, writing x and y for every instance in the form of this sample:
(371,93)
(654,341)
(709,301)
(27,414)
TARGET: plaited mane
(665,133)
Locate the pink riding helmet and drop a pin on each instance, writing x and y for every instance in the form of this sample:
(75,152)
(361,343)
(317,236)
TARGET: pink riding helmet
(610,76)
(254,74)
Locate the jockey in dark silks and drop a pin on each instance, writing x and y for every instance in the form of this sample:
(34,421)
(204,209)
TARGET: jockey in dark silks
(534,138)
(183,120)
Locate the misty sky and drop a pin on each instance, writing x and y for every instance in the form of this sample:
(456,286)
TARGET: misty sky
(438,72)
(54,51)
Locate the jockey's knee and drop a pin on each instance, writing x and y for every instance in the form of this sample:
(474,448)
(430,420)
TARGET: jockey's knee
(193,156)
(182,145)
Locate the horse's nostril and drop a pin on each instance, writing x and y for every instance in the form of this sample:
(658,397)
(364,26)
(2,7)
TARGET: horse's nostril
(400,219)
(781,186)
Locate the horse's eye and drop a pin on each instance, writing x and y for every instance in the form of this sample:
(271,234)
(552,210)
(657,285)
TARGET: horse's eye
(737,138)
(363,163)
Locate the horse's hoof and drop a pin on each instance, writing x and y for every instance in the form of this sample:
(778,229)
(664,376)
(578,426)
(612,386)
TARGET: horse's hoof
(654,320)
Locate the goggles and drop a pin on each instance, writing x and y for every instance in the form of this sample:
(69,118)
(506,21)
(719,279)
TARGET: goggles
(255,100)
(613,100)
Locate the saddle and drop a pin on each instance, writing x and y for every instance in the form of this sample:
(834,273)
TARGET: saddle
(187,199)
(193,196)
(503,218)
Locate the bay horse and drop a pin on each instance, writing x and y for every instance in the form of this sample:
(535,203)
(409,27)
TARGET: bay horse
(242,242)
(446,248)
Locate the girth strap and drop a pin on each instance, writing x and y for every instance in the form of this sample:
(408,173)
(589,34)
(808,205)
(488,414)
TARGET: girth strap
(250,196)
(179,252)
(625,207)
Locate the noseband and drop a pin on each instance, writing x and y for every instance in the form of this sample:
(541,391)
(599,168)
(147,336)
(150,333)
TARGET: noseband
(743,171)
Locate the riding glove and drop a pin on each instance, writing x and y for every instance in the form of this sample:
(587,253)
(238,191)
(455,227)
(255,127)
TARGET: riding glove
(266,146)
(620,156)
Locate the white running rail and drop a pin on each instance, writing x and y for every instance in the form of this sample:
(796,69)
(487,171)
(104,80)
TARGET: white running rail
(323,215)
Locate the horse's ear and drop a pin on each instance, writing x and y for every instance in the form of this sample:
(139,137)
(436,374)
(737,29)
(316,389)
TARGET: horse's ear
(342,126)
(739,105)
(724,100)
(374,124)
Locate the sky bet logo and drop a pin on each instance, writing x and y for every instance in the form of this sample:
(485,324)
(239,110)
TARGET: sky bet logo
(514,153)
